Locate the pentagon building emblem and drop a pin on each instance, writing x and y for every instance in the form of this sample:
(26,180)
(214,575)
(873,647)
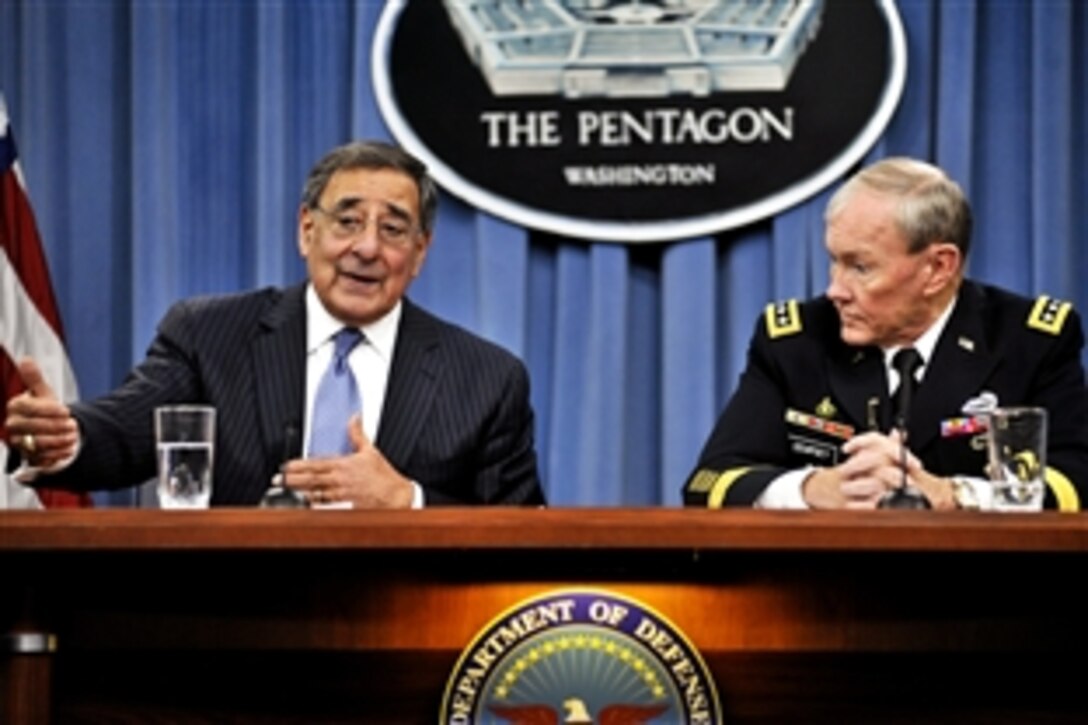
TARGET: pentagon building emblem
(580,656)
(578,48)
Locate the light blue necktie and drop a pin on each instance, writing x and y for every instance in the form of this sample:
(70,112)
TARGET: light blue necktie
(337,399)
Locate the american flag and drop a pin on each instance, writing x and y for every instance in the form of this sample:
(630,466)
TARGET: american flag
(29,320)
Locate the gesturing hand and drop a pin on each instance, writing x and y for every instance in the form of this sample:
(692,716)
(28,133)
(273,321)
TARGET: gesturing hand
(37,423)
(363,478)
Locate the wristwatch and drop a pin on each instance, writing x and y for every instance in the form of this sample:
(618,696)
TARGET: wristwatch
(963,493)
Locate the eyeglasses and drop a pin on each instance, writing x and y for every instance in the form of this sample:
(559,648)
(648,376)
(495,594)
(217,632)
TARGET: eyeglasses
(391,231)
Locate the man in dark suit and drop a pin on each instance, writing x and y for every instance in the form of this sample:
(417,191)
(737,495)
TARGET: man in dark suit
(450,411)
(811,423)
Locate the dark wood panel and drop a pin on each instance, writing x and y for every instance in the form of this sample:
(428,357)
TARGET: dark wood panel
(351,600)
(766,687)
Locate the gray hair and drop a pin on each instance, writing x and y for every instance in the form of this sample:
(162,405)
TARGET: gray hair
(373,155)
(931,208)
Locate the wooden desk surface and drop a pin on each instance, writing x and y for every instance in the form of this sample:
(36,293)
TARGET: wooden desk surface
(552,529)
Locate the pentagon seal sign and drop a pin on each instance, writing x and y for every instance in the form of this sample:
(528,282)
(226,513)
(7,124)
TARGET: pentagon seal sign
(580,656)
(637,120)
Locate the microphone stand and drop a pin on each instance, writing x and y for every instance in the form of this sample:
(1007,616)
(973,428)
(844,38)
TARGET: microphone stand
(280,495)
(905,496)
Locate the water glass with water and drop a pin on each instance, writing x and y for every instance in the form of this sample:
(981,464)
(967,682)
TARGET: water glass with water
(1017,457)
(185,442)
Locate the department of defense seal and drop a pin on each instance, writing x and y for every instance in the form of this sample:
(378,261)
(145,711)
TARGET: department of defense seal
(580,656)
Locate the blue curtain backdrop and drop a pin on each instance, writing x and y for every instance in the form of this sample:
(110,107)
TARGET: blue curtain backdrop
(165,142)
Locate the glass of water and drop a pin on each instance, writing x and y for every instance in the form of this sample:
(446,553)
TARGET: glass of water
(1017,457)
(185,442)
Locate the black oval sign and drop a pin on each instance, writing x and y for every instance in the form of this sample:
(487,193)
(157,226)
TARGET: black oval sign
(638,120)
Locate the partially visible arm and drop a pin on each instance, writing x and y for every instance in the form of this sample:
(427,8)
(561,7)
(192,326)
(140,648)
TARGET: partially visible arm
(117,447)
(747,450)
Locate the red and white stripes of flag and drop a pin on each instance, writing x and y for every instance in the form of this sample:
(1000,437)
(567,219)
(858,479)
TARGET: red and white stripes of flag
(29,318)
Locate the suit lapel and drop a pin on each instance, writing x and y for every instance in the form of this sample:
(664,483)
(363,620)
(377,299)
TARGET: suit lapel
(413,380)
(279,368)
(858,382)
(962,361)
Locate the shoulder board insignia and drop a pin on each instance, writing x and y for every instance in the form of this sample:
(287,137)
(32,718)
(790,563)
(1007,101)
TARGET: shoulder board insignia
(1049,315)
(783,318)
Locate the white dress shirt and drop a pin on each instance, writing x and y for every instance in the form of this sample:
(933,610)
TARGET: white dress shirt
(370,362)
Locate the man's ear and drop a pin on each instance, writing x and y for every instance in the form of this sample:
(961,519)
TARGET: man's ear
(305,230)
(424,245)
(946,265)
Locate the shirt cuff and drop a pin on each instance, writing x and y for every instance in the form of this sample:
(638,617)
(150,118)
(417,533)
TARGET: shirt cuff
(417,496)
(785,492)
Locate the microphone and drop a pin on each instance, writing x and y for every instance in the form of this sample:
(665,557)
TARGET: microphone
(906,361)
(280,495)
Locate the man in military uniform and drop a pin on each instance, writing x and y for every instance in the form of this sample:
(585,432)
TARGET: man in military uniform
(811,424)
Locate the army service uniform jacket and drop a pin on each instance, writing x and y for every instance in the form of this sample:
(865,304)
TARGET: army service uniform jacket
(805,391)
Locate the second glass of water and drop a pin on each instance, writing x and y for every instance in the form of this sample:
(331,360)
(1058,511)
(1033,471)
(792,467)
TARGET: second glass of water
(185,442)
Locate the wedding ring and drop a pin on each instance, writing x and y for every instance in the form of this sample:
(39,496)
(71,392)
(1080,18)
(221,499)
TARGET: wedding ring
(29,445)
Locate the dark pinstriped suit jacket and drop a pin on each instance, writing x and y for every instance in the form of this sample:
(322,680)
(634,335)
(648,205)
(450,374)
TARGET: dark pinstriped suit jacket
(456,419)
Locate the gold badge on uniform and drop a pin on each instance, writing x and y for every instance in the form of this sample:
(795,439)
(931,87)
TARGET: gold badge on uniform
(826,409)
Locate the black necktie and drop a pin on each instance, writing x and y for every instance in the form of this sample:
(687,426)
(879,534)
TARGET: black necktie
(906,361)
(905,496)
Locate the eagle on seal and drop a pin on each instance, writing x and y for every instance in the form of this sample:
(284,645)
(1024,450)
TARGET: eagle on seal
(577,714)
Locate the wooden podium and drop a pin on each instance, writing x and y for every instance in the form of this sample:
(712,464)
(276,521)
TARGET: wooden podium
(355,616)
